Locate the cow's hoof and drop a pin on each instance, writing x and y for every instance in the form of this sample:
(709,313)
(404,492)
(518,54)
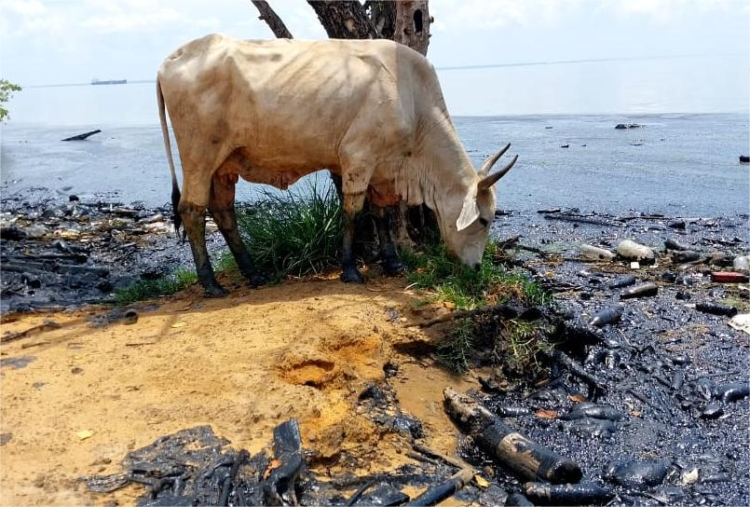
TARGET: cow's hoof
(393,267)
(352,276)
(257,279)
(216,291)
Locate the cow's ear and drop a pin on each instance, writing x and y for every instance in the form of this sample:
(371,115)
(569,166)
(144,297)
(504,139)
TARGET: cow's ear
(469,212)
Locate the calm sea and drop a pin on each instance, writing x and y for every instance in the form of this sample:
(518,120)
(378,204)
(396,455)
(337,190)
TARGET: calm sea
(680,164)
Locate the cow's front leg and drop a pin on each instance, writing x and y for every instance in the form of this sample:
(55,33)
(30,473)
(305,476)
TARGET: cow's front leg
(194,221)
(221,206)
(352,205)
(392,265)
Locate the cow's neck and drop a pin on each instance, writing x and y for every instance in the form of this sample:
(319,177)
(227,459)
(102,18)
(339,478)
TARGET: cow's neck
(449,174)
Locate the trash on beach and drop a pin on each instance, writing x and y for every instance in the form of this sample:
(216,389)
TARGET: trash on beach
(729,277)
(632,251)
(596,253)
(640,291)
(716,309)
(741,322)
(742,264)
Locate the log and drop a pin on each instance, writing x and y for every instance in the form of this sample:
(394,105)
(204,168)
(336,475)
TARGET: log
(50,266)
(504,310)
(580,220)
(447,489)
(574,368)
(82,137)
(567,494)
(272,19)
(526,459)
(48,325)
(279,487)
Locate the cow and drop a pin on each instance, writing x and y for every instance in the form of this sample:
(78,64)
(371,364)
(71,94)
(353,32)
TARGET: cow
(370,111)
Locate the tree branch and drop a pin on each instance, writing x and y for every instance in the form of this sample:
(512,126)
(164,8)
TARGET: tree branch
(272,19)
(344,19)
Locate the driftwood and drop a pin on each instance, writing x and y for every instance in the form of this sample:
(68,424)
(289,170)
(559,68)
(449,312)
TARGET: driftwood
(581,219)
(447,489)
(278,487)
(567,494)
(272,19)
(82,137)
(48,325)
(506,311)
(527,459)
(226,487)
(51,266)
(573,367)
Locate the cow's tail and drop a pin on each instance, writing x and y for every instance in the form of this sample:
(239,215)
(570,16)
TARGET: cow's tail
(168,146)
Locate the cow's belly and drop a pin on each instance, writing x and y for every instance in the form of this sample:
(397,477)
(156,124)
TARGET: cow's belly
(274,168)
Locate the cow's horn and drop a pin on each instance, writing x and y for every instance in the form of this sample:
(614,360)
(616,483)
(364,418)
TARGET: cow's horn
(490,180)
(485,170)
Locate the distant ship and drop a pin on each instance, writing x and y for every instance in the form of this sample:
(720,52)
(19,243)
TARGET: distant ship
(108,81)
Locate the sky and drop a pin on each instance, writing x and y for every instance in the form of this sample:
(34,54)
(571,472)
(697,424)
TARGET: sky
(660,55)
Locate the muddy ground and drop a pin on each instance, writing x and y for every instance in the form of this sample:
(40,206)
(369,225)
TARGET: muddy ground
(79,395)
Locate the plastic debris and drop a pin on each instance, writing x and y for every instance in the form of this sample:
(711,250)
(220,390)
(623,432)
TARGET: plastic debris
(630,250)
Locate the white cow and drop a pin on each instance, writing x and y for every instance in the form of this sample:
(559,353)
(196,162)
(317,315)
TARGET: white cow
(271,112)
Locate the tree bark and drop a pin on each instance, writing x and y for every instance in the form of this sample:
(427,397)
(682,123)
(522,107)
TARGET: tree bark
(383,17)
(412,24)
(344,19)
(272,19)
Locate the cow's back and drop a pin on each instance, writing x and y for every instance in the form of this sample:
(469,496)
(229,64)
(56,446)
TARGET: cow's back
(290,102)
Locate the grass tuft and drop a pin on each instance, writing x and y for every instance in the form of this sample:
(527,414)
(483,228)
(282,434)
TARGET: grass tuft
(454,352)
(434,269)
(149,289)
(514,343)
(294,233)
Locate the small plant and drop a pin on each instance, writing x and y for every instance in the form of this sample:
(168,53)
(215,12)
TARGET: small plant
(454,352)
(514,343)
(294,233)
(435,270)
(517,344)
(149,289)
(6,92)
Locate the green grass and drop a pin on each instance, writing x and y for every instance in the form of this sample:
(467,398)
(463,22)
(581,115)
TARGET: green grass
(455,351)
(446,279)
(515,343)
(287,234)
(295,233)
(149,289)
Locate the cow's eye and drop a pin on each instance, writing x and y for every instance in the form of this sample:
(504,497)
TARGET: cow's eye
(483,221)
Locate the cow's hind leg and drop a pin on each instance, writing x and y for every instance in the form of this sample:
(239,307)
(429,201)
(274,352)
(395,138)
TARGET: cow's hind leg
(353,203)
(221,206)
(194,221)
(392,265)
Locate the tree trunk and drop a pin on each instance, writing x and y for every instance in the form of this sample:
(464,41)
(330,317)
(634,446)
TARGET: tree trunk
(344,19)
(272,19)
(412,26)
(406,22)
(383,17)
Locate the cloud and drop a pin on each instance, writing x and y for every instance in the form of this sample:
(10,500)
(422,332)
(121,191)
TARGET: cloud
(459,15)
(22,17)
(482,14)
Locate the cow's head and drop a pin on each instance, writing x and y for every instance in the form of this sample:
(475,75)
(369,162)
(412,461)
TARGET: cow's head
(467,219)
